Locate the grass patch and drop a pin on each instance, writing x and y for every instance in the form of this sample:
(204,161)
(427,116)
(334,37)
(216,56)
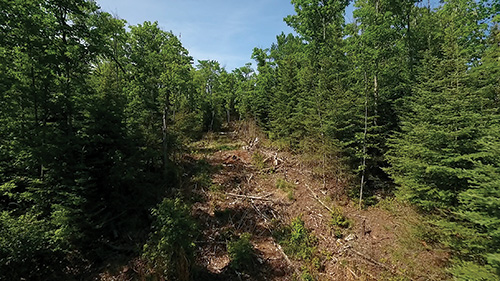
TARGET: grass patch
(212,143)
(417,245)
(258,160)
(225,147)
(287,187)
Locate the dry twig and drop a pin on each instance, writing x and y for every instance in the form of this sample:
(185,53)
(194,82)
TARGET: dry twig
(317,199)
(251,197)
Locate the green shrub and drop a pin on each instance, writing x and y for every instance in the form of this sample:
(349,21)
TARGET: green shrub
(338,219)
(287,187)
(169,250)
(188,126)
(306,275)
(297,241)
(284,185)
(241,253)
(202,180)
(463,270)
(28,248)
(258,160)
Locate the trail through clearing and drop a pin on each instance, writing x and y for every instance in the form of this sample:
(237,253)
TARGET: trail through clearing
(244,197)
(237,185)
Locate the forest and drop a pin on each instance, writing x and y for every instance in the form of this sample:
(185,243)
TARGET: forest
(103,127)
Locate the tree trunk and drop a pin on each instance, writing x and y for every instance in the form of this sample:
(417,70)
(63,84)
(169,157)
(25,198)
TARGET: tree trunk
(212,121)
(165,141)
(165,133)
(363,163)
(375,97)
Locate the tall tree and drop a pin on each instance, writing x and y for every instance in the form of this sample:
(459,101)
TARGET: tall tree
(445,157)
(209,86)
(160,68)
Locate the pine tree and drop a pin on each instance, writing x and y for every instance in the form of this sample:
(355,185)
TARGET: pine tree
(160,68)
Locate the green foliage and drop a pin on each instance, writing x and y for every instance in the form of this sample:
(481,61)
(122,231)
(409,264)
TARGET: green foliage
(446,157)
(287,187)
(283,184)
(258,160)
(188,126)
(297,241)
(94,116)
(30,247)
(170,247)
(202,180)
(241,253)
(306,275)
(338,219)
(472,271)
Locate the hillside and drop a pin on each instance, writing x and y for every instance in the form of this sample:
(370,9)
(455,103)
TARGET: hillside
(239,184)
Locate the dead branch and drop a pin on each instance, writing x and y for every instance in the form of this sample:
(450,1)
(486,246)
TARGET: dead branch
(264,198)
(317,198)
(267,170)
(241,220)
(375,262)
(290,264)
(352,272)
(210,242)
(250,178)
(259,212)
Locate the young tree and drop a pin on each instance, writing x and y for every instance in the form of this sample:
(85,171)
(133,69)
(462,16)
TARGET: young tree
(445,158)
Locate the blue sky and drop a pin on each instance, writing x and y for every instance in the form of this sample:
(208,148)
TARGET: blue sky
(222,30)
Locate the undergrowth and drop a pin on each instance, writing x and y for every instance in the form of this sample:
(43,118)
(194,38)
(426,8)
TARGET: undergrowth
(300,244)
(170,248)
(241,253)
(258,160)
(287,187)
(297,241)
(338,222)
(417,242)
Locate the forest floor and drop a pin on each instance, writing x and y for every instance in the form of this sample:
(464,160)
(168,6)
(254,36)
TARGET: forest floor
(239,184)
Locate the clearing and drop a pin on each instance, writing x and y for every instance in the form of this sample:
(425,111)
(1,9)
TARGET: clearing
(241,185)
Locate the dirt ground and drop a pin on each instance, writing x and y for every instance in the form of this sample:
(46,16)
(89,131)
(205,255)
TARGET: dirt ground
(242,195)
(247,200)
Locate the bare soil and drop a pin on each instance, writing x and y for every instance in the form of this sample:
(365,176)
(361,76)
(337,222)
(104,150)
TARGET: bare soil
(380,244)
(248,200)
